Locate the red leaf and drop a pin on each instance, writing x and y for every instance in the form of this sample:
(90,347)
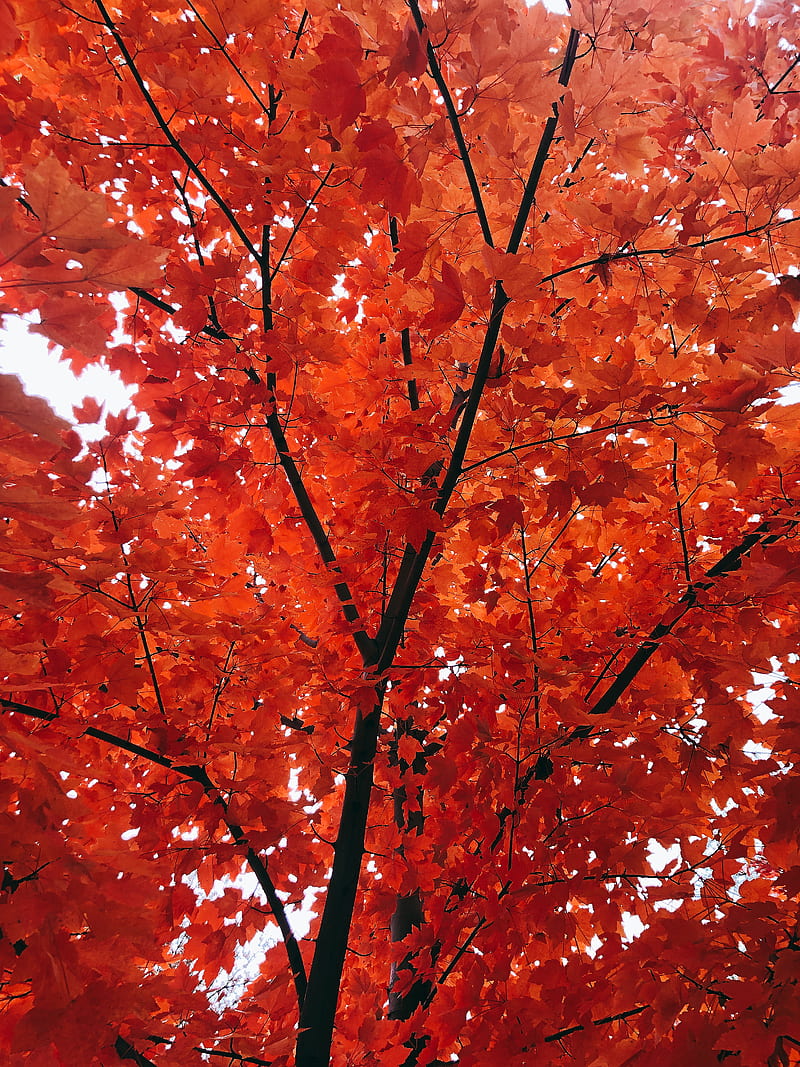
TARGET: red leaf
(448,302)
(411,58)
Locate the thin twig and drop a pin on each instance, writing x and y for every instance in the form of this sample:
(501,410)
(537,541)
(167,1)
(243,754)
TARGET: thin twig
(224,678)
(679,509)
(405,335)
(299,33)
(606,668)
(667,250)
(786,73)
(233,1057)
(366,646)
(221,46)
(296,228)
(20,199)
(605,427)
(595,1022)
(457,956)
(532,627)
(364,643)
(764,534)
(134,605)
(414,561)
(556,538)
(543,151)
(198,248)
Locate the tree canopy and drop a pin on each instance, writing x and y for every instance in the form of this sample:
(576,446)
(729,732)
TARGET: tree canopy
(421,592)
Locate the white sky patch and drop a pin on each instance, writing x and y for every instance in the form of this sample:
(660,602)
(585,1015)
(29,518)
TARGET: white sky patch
(632,926)
(756,751)
(228,987)
(43,374)
(760,696)
(659,857)
(594,946)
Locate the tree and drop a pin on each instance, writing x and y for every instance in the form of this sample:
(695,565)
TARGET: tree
(427,579)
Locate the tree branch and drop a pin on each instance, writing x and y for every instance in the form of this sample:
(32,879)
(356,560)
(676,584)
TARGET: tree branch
(405,335)
(679,509)
(296,228)
(228,1054)
(198,774)
(452,114)
(319,1007)
(667,250)
(364,643)
(233,1057)
(173,140)
(414,561)
(198,249)
(606,427)
(531,626)
(221,46)
(765,534)
(299,33)
(125,1050)
(362,640)
(559,1034)
(366,646)
(543,150)
(134,604)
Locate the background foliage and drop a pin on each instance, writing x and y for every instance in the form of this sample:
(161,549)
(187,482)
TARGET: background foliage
(427,580)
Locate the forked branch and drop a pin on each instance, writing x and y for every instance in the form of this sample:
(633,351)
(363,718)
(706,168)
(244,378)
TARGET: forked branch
(198,774)
(455,124)
(319,1009)
(414,561)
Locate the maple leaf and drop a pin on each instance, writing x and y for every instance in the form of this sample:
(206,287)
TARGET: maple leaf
(411,58)
(65,321)
(9,31)
(740,130)
(31,413)
(448,302)
(339,93)
(75,217)
(71,248)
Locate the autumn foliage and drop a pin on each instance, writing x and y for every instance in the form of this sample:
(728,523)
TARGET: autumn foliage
(425,580)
